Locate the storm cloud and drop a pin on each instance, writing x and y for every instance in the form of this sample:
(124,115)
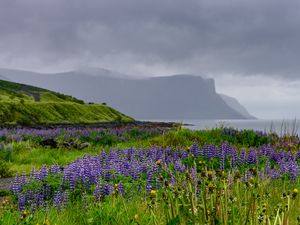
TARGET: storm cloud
(153,37)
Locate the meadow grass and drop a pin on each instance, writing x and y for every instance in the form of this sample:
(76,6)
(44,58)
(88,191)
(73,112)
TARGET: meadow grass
(200,193)
(261,202)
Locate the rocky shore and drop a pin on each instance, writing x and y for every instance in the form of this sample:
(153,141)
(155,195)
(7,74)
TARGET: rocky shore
(97,125)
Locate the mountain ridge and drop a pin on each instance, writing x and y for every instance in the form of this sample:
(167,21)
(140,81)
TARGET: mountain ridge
(179,96)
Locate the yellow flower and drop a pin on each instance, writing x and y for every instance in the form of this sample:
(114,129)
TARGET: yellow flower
(210,175)
(295,191)
(152,193)
(46,222)
(158,162)
(136,216)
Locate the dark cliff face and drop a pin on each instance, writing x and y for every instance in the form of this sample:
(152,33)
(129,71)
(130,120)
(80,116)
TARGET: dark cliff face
(172,97)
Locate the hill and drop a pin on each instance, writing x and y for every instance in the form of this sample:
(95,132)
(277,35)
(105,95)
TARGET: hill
(176,97)
(25,104)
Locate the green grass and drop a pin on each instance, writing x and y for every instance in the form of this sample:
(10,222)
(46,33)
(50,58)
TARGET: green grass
(17,91)
(24,161)
(26,155)
(186,137)
(28,105)
(230,203)
(111,211)
(223,201)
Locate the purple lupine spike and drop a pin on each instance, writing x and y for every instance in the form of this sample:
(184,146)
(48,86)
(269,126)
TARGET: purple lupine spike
(150,177)
(149,187)
(107,189)
(275,156)
(222,158)
(173,180)
(43,172)
(176,154)
(97,192)
(269,150)
(179,167)
(293,170)
(252,156)
(184,154)
(16,185)
(234,158)
(297,157)
(289,156)
(66,196)
(54,169)
(267,166)
(193,172)
(57,199)
(121,188)
(194,148)
(21,202)
(205,150)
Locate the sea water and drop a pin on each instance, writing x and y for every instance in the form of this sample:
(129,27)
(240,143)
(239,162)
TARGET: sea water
(280,126)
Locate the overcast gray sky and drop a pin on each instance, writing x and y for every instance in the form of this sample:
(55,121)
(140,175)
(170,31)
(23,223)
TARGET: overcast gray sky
(251,48)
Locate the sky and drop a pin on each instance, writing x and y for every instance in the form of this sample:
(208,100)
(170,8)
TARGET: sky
(251,48)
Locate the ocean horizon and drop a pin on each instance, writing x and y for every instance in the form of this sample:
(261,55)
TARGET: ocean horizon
(280,126)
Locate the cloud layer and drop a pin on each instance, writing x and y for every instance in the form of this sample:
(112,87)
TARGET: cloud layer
(208,36)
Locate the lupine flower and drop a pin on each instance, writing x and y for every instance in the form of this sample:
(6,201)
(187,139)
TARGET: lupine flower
(100,171)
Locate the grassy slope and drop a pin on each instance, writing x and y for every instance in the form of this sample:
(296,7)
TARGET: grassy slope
(24,104)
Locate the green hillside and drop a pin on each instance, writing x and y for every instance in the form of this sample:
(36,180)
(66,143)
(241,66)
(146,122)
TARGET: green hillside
(25,104)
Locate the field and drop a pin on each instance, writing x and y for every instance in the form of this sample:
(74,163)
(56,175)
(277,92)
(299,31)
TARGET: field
(148,175)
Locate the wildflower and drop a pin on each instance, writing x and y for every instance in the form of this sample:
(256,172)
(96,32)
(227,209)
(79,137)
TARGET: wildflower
(153,193)
(25,214)
(5,202)
(158,162)
(210,175)
(211,187)
(116,187)
(220,173)
(46,221)
(295,192)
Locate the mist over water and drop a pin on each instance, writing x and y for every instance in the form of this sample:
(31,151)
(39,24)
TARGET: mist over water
(280,126)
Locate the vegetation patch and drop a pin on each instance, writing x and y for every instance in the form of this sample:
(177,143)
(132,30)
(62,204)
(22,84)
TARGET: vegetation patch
(151,176)
(28,105)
